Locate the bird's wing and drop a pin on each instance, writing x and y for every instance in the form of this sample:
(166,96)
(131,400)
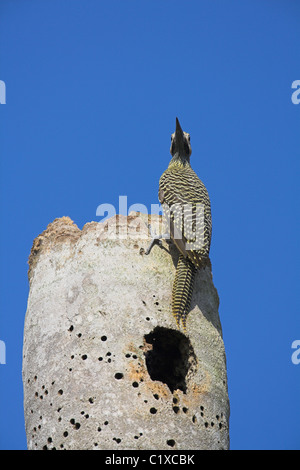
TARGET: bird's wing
(187,210)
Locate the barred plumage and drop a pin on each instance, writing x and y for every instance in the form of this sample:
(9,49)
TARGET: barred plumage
(187,210)
(182,289)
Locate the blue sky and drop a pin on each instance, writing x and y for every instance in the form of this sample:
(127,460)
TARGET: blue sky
(92,92)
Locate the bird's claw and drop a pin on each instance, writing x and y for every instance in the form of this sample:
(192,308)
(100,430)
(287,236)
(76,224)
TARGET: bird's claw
(156,239)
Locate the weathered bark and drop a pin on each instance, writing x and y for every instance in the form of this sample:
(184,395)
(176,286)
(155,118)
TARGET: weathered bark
(105,366)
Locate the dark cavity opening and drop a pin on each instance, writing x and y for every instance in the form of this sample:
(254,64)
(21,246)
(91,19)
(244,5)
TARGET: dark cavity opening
(170,357)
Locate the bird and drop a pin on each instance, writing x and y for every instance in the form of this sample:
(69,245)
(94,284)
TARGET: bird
(187,210)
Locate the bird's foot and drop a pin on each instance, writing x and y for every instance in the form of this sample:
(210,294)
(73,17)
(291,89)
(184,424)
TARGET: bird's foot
(156,239)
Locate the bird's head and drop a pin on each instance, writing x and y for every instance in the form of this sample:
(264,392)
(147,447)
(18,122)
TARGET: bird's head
(180,144)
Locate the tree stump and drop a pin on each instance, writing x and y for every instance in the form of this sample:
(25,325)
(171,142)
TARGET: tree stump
(104,365)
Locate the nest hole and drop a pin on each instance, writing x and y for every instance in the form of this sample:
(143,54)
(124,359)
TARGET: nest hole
(170,357)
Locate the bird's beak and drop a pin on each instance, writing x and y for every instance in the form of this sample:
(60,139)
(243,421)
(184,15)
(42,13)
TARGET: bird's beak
(178,133)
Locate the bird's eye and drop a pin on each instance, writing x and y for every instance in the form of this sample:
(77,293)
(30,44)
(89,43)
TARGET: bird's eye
(189,137)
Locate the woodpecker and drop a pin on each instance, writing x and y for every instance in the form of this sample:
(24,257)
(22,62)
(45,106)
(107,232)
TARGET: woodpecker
(187,211)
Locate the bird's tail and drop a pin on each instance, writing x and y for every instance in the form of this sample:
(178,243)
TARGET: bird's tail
(182,290)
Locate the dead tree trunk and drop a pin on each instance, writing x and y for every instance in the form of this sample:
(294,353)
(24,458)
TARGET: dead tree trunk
(105,366)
